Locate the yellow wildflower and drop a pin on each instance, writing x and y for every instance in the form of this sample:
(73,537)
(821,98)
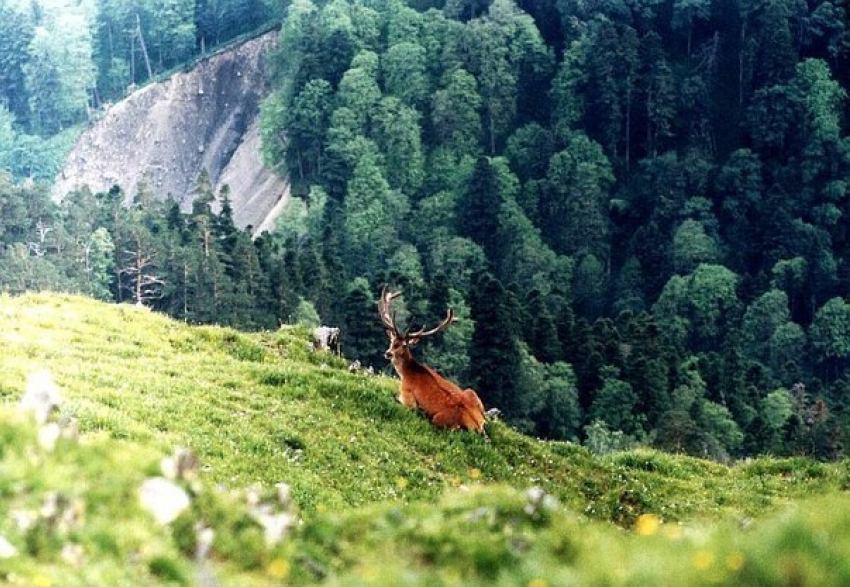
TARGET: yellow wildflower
(647,524)
(41,581)
(368,573)
(734,561)
(703,560)
(278,569)
(474,473)
(538,582)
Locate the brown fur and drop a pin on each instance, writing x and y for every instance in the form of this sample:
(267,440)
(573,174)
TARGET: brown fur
(441,400)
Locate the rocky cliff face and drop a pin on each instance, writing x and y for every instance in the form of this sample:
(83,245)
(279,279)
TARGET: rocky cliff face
(166,133)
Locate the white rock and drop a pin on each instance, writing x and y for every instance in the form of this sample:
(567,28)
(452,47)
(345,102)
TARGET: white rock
(163,499)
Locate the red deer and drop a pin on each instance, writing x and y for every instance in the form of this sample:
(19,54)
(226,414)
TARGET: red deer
(421,387)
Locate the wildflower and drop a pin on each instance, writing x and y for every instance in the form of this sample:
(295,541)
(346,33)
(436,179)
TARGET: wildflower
(284,494)
(734,561)
(41,397)
(401,483)
(278,569)
(474,473)
(73,554)
(368,573)
(7,549)
(48,436)
(275,525)
(538,582)
(647,524)
(537,499)
(163,499)
(703,560)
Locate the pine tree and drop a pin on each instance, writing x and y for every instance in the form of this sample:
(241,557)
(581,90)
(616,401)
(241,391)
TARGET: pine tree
(542,332)
(494,353)
(479,207)
(362,335)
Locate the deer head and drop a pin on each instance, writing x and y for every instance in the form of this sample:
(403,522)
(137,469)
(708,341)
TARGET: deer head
(400,343)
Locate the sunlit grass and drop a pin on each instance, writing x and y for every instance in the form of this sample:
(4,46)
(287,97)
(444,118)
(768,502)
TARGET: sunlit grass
(366,473)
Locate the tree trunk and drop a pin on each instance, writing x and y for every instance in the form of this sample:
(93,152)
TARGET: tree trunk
(690,36)
(628,121)
(492,135)
(142,45)
(133,58)
(741,63)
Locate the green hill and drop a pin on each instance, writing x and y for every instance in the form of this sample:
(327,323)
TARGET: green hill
(383,497)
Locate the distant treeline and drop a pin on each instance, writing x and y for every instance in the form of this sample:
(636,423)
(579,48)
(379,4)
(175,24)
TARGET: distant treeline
(638,211)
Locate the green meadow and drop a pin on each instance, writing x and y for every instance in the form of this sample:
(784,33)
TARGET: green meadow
(381,496)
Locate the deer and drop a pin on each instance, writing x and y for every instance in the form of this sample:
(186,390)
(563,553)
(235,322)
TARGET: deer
(443,402)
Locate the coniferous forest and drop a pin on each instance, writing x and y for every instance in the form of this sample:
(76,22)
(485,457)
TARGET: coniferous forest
(638,210)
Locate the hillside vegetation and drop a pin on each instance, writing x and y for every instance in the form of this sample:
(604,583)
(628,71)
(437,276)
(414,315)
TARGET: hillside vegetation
(638,209)
(648,197)
(384,498)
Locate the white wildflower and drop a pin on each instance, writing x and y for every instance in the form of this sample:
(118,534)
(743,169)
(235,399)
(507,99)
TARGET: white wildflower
(284,494)
(205,537)
(41,396)
(7,549)
(163,499)
(275,526)
(48,435)
(73,554)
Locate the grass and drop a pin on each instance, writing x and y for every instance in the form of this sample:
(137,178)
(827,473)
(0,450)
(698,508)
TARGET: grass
(373,482)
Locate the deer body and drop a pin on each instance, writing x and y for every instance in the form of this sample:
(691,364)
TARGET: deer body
(423,388)
(444,402)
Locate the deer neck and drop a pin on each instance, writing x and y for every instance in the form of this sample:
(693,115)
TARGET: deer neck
(405,364)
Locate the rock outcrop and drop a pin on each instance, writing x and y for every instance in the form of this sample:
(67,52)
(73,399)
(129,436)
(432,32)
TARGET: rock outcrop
(164,134)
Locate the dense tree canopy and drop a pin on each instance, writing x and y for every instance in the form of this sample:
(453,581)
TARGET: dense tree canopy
(639,210)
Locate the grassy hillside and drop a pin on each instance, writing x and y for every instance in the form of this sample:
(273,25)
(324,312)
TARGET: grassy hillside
(384,497)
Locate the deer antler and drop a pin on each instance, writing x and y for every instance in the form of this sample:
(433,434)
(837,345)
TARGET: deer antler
(450,315)
(384,309)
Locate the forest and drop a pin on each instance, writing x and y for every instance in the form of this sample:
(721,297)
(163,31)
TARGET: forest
(63,61)
(637,209)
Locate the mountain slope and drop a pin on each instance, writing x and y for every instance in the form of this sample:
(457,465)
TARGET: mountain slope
(166,133)
(365,472)
(264,408)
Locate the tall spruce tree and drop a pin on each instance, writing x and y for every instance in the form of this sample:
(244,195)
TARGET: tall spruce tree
(494,353)
(479,207)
